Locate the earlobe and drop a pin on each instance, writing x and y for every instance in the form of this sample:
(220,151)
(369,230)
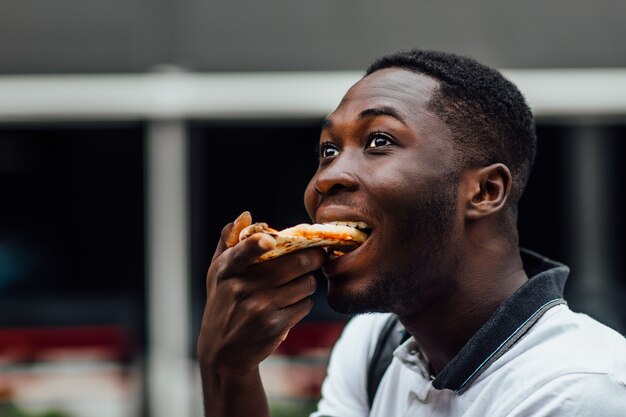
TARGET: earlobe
(488,190)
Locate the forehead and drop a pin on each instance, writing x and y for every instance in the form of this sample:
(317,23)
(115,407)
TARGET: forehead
(406,92)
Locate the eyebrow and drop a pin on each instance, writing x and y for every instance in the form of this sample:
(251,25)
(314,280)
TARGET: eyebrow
(381,111)
(372,112)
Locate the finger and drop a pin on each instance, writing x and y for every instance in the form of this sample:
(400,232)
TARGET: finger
(243,255)
(291,315)
(294,291)
(244,220)
(283,269)
(228,233)
(284,319)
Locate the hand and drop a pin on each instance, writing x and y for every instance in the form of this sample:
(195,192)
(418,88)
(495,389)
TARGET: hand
(251,307)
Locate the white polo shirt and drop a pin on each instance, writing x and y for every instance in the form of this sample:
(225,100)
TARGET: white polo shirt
(534,357)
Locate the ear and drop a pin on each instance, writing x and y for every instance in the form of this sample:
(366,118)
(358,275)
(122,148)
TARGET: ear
(487,190)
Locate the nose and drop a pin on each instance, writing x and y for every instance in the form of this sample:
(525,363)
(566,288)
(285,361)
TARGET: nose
(335,178)
(338,176)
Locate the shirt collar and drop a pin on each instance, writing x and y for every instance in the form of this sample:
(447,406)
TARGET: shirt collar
(543,290)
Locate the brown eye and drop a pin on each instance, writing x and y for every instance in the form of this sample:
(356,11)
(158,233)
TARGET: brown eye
(328,151)
(378,140)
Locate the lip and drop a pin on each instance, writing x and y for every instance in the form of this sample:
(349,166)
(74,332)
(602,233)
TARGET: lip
(327,214)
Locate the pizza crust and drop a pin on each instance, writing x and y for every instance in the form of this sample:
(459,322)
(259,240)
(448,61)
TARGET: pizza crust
(305,236)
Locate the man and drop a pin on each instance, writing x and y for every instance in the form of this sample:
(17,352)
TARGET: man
(433,152)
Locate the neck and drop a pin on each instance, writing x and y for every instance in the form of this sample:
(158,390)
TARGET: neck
(483,282)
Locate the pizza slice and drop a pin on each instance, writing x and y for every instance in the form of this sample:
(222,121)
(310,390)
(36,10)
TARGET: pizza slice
(338,237)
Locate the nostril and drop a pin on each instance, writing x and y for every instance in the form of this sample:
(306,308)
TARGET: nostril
(335,189)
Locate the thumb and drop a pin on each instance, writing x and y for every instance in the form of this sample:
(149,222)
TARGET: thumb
(230,233)
(244,220)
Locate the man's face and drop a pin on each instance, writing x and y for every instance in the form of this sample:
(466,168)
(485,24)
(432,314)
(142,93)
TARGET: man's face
(387,161)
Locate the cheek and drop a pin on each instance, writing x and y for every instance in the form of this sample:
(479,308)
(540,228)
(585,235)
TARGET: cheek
(396,189)
(421,205)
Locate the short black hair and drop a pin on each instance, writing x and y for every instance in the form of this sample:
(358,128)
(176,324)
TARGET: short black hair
(487,115)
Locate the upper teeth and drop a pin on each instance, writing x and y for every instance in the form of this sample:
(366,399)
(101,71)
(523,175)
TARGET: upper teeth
(357,225)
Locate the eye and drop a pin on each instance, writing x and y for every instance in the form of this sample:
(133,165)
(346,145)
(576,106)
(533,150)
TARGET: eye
(378,140)
(328,150)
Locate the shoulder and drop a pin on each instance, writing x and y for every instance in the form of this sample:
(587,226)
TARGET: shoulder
(575,394)
(567,361)
(574,342)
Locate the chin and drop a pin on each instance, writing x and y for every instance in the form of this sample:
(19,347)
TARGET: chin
(403,289)
(352,305)
(354,299)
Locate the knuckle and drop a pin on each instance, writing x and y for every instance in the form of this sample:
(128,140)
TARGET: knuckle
(310,259)
(217,268)
(310,284)
(303,261)
(257,307)
(220,270)
(274,323)
(248,308)
(236,257)
(303,308)
(308,304)
(271,326)
(237,289)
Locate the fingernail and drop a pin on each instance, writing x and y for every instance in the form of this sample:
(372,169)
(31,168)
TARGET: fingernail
(241,216)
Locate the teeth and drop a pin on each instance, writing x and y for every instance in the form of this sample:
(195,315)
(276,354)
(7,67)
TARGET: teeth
(362,226)
(357,225)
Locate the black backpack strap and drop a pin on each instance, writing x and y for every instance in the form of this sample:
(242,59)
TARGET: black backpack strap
(391,336)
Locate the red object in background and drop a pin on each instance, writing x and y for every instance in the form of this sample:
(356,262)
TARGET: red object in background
(117,342)
(27,344)
(308,336)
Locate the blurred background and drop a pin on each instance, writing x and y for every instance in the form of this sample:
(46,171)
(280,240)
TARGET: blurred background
(132,131)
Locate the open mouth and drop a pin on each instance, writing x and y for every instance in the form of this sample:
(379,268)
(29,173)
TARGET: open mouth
(364,230)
